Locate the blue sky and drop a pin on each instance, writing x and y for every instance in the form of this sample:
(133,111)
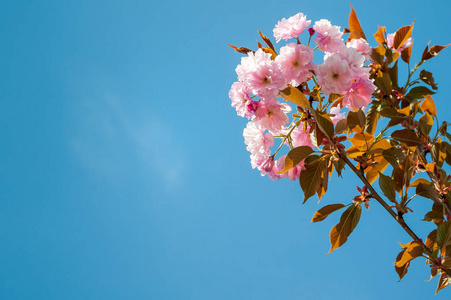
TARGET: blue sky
(123,169)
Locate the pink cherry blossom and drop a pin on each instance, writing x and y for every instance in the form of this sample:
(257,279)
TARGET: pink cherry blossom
(257,141)
(390,39)
(334,75)
(241,100)
(359,93)
(295,60)
(261,74)
(258,159)
(355,61)
(272,115)
(361,46)
(291,28)
(328,37)
(268,168)
(301,137)
(335,114)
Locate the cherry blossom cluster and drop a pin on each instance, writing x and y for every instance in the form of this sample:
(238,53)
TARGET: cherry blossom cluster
(262,75)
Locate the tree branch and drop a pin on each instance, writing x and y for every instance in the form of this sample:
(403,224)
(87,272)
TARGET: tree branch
(384,204)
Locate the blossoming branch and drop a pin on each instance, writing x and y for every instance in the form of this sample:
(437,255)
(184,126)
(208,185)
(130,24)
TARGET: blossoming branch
(309,119)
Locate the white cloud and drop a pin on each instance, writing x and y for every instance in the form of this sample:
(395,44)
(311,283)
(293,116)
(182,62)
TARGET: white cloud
(110,139)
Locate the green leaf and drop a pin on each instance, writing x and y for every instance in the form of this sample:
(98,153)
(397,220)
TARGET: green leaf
(348,221)
(394,156)
(407,136)
(311,177)
(295,156)
(444,234)
(427,78)
(388,187)
(419,92)
(324,212)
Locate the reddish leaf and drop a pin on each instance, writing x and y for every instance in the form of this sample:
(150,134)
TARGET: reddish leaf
(371,119)
(384,83)
(402,35)
(405,54)
(412,251)
(295,156)
(356,118)
(324,123)
(431,240)
(380,34)
(420,180)
(354,27)
(427,191)
(406,136)
(433,51)
(311,177)
(242,49)
(429,105)
(403,269)
(425,124)
(419,92)
(394,156)
(444,235)
(341,126)
(443,282)
(432,216)
(267,41)
(388,187)
(348,221)
(324,212)
(427,78)
(295,96)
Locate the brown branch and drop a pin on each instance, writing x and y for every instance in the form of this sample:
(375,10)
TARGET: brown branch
(384,204)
